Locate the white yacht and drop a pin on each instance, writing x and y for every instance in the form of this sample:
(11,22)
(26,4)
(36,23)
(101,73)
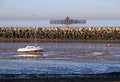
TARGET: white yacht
(30,49)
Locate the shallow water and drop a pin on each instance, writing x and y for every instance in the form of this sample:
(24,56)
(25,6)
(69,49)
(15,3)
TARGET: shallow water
(68,58)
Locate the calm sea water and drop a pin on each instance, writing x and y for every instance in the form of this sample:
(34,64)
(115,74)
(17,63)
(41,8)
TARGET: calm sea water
(46,23)
(68,58)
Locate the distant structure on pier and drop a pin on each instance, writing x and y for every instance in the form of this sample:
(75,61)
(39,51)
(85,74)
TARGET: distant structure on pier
(68,21)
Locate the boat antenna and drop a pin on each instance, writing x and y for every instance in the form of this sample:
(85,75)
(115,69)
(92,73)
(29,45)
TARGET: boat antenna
(34,29)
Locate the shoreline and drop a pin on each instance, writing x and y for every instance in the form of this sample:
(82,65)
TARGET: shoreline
(110,77)
(31,40)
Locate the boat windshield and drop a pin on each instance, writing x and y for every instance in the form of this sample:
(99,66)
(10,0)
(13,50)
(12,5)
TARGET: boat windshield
(29,47)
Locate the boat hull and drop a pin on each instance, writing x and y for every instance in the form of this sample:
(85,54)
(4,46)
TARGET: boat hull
(30,49)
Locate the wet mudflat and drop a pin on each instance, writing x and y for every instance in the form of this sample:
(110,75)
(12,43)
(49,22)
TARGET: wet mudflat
(68,60)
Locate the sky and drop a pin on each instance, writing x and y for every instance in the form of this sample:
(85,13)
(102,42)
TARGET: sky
(56,9)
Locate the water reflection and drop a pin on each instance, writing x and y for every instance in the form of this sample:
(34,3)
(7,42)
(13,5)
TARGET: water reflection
(30,54)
